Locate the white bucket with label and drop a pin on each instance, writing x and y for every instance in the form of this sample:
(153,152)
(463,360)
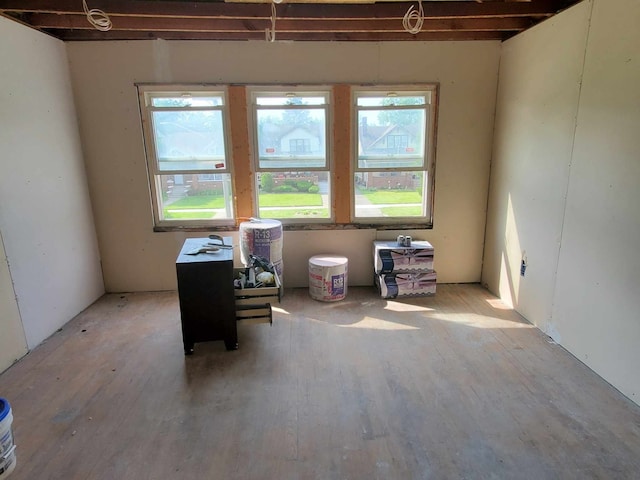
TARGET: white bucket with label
(7,448)
(328,277)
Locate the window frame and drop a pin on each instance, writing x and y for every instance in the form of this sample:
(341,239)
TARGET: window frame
(431,90)
(146,93)
(326,91)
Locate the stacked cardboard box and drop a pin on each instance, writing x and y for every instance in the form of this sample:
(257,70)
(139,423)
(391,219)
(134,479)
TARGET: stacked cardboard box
(402,271)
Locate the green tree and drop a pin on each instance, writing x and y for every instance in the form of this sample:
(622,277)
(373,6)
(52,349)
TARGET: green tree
(402,117)
(299,117)
(266,181)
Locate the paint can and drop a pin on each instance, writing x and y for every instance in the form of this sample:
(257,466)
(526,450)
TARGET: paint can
(7,447)
(328,277)
(262,237)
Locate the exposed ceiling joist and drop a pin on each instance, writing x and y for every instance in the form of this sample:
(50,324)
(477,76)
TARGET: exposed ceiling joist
(217,20)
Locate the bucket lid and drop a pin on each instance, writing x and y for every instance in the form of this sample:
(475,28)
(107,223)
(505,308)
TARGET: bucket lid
(327,260)
(5,408)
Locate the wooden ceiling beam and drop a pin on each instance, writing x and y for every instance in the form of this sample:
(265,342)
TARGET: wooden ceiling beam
(390,10)
(82,35)
(79,22)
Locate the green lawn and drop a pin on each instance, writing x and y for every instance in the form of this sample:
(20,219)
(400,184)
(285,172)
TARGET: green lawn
(295,213)
(198,201)
(301,200)
(195,202)
(187,215)
(402,211)
(290,199)
(392,196)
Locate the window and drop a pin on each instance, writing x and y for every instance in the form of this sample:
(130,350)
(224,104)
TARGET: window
(393,149)
(186,146)
(291,141)
(300,145)
(354,156)
(397,143)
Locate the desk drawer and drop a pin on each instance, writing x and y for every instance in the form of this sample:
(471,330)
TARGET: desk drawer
(254,314)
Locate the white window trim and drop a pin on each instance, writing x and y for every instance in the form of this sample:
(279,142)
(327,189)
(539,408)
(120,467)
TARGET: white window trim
(145,93)
(429,154)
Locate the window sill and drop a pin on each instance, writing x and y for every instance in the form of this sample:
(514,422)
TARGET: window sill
(305,227)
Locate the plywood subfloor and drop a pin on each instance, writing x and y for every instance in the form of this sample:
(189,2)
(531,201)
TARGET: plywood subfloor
(447,387)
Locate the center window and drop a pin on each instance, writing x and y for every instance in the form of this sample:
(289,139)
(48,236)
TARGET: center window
(290,145)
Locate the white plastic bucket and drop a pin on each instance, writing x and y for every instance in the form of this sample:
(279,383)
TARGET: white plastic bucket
(328,277)
(7,448)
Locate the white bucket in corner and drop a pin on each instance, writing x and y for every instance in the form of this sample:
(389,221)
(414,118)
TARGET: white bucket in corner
(7,448)
(328,277)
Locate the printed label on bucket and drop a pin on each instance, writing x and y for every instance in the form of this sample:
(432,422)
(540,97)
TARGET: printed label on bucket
(337,285)
(8,463)
(6,442)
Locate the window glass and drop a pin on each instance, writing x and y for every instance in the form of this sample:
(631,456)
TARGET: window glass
(294,195)
(186,100)
(195,197)
(390,194)
(291,99)
(291,146)
(291,138)
(186,140)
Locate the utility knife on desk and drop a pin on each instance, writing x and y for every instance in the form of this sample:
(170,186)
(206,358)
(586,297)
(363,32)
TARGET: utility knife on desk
(210,247)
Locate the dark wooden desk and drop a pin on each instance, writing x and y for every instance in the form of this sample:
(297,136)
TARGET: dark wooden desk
(205,290)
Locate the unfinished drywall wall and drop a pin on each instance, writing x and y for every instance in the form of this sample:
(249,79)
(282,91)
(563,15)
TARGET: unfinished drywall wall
(13,344)
(45,212)
(596,304)
(539,87)
(569,195)
(135,258)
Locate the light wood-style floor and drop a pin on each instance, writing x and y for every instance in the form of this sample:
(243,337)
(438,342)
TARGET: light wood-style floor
(448,387)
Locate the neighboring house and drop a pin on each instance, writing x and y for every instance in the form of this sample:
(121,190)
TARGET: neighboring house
(300,141)
(181,185)
(183,148)
(177,142)
(384,146)
(387,140)
(287,146)
(388,180)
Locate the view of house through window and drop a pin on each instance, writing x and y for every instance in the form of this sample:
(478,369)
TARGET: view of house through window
(283,154)
(186,156)
(393,151)
(290,148)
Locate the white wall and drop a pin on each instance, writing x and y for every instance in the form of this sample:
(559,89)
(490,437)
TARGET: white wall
(582,283)
(135,258)
(597,303)
(45,212)
(539,87)
(13,344)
